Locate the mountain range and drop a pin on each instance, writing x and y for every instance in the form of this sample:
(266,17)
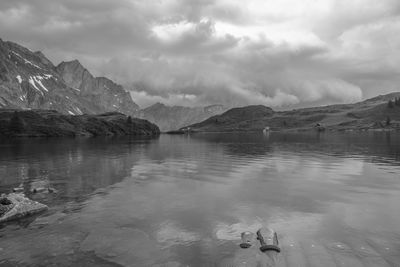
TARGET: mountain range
(29,80)
(174,117)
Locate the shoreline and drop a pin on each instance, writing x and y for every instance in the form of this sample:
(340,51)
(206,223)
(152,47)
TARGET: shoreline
(297,130)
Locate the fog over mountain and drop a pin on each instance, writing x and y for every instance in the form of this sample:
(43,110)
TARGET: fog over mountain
(282,54)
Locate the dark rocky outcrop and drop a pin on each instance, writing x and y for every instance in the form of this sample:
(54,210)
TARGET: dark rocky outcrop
(50,123)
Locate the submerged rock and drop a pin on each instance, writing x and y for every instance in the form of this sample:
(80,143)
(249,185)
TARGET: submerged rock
(18,189)
(46,190)
(14,206)
(48,220)
(256,250)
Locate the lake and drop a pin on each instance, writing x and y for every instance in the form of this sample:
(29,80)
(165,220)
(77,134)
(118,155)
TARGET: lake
(184,200)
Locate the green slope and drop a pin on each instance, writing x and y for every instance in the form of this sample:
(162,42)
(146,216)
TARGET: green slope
(365,115)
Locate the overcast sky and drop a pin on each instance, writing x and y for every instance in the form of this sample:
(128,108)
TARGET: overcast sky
(280,53)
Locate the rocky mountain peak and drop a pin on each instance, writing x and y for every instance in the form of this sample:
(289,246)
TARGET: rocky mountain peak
(29,80)
(73,65)
(98,89)
(73,73)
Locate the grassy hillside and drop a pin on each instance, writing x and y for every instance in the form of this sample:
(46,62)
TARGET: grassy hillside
(46,123)
(370,114)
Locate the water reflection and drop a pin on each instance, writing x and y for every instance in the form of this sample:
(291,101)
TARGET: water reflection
(185,200)
(75,167)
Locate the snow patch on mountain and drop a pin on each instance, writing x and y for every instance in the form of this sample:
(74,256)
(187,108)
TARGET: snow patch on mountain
(38,80)
(32,82)
(79,111)
(25,60)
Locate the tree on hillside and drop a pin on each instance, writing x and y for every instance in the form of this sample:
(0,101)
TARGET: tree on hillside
(129,120)
(397,101)
(388,121)
(390,104)
(129,123)
(16,124)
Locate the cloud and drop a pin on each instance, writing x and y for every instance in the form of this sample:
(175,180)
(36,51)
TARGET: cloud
(284,53)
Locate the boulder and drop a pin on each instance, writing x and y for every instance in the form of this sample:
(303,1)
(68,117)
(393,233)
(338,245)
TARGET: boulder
(16,205)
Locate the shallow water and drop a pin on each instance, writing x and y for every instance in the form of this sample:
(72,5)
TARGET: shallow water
(184,200)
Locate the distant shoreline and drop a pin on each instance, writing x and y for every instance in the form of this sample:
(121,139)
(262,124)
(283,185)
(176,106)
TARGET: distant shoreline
(300,130)
(375,114)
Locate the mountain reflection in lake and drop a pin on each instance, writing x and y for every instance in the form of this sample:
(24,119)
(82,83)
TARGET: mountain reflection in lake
(184,200)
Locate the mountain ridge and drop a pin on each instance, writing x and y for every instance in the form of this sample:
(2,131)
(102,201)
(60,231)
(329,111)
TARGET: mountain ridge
(29,80)
(370,114)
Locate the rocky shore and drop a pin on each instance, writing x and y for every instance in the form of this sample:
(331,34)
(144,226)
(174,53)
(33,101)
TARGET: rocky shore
(15,205)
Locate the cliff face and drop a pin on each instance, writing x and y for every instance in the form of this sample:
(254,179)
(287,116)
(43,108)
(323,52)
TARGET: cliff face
(28,80)
(100,90)
(50,123)
(172,118)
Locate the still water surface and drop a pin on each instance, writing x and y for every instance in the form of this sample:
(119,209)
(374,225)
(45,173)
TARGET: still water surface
(184,200)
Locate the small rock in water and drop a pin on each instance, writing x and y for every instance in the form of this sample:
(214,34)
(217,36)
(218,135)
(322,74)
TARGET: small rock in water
(247,238)
(18,190)
(43,190)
